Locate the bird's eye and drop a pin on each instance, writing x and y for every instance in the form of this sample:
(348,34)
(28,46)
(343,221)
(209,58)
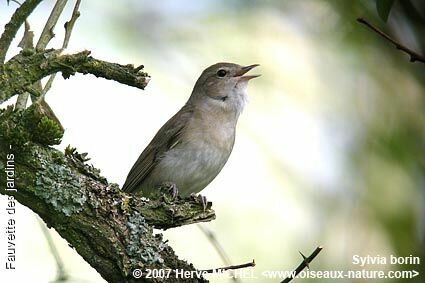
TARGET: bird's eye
(221,73)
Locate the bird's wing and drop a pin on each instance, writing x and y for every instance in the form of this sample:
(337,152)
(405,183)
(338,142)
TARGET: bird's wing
(166,138)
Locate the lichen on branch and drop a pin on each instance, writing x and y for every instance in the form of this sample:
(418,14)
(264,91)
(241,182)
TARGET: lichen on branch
(111,230)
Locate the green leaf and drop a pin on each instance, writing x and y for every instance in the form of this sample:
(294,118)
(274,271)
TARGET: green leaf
(384,8)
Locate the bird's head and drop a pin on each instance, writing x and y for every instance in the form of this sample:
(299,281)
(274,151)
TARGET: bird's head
(223,87)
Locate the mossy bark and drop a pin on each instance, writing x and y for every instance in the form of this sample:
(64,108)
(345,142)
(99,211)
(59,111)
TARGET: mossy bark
(19,73)
(111,230)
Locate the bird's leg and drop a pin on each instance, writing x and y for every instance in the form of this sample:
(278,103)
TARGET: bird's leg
(202,199)
(170,188)
(204,202)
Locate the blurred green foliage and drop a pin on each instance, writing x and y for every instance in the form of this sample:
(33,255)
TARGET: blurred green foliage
(364,93)
(367,92)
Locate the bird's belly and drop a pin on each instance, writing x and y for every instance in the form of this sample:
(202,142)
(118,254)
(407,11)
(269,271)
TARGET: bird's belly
(191,167)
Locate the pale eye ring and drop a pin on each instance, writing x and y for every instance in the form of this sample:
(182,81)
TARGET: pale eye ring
(221,73)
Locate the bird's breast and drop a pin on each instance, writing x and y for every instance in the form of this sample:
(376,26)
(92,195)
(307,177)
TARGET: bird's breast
(192,165)
(217,131)
(198,157)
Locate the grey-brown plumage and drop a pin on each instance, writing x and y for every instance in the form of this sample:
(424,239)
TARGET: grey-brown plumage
(194,145)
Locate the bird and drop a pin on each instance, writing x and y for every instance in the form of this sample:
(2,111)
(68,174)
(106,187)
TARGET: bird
(193,146)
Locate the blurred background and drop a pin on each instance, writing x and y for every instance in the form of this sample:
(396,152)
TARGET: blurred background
(329,150)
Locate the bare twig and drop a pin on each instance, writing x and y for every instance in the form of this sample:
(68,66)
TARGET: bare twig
(68,30)
(14,1)
(33,91)
(69,25)
(48,86)
(26,42)
(231,267)
(12,27)
(47,33)
(45,37)
(60,272)
(27,39)
(217,246)
(22,100)
(303,264)
(414,56)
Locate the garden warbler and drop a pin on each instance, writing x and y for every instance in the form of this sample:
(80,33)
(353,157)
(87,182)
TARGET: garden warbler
(192,147)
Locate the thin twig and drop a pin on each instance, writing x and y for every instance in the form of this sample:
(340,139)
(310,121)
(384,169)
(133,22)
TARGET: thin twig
(45,37)
(217,246)
(14,1)
(26,42)
(54,16)
(215,243)
(47,33)
(61,273)
(35,92)
(414,56)
(22,100)
(69,25)
(303,264)
(48,86)
(231,267)
(12,27)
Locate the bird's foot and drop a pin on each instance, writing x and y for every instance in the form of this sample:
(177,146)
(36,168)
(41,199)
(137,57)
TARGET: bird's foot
(202,199)
(170,189)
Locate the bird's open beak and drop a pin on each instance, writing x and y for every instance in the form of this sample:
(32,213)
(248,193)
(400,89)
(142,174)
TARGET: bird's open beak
(245,70)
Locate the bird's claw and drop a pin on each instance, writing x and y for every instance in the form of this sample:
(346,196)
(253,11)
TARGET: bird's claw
(202,199)
(170,188)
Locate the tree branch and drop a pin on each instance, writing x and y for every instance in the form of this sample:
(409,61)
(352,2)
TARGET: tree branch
(61,275)
(11,28)
(111,230)
(26,42)
(28,67)
(68,30)
(231,267)
(69,25)
(218,247)
(47,34)
(414,56)
(303,264)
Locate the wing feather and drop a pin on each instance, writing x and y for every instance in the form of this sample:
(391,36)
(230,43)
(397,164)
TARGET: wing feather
(166,138)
